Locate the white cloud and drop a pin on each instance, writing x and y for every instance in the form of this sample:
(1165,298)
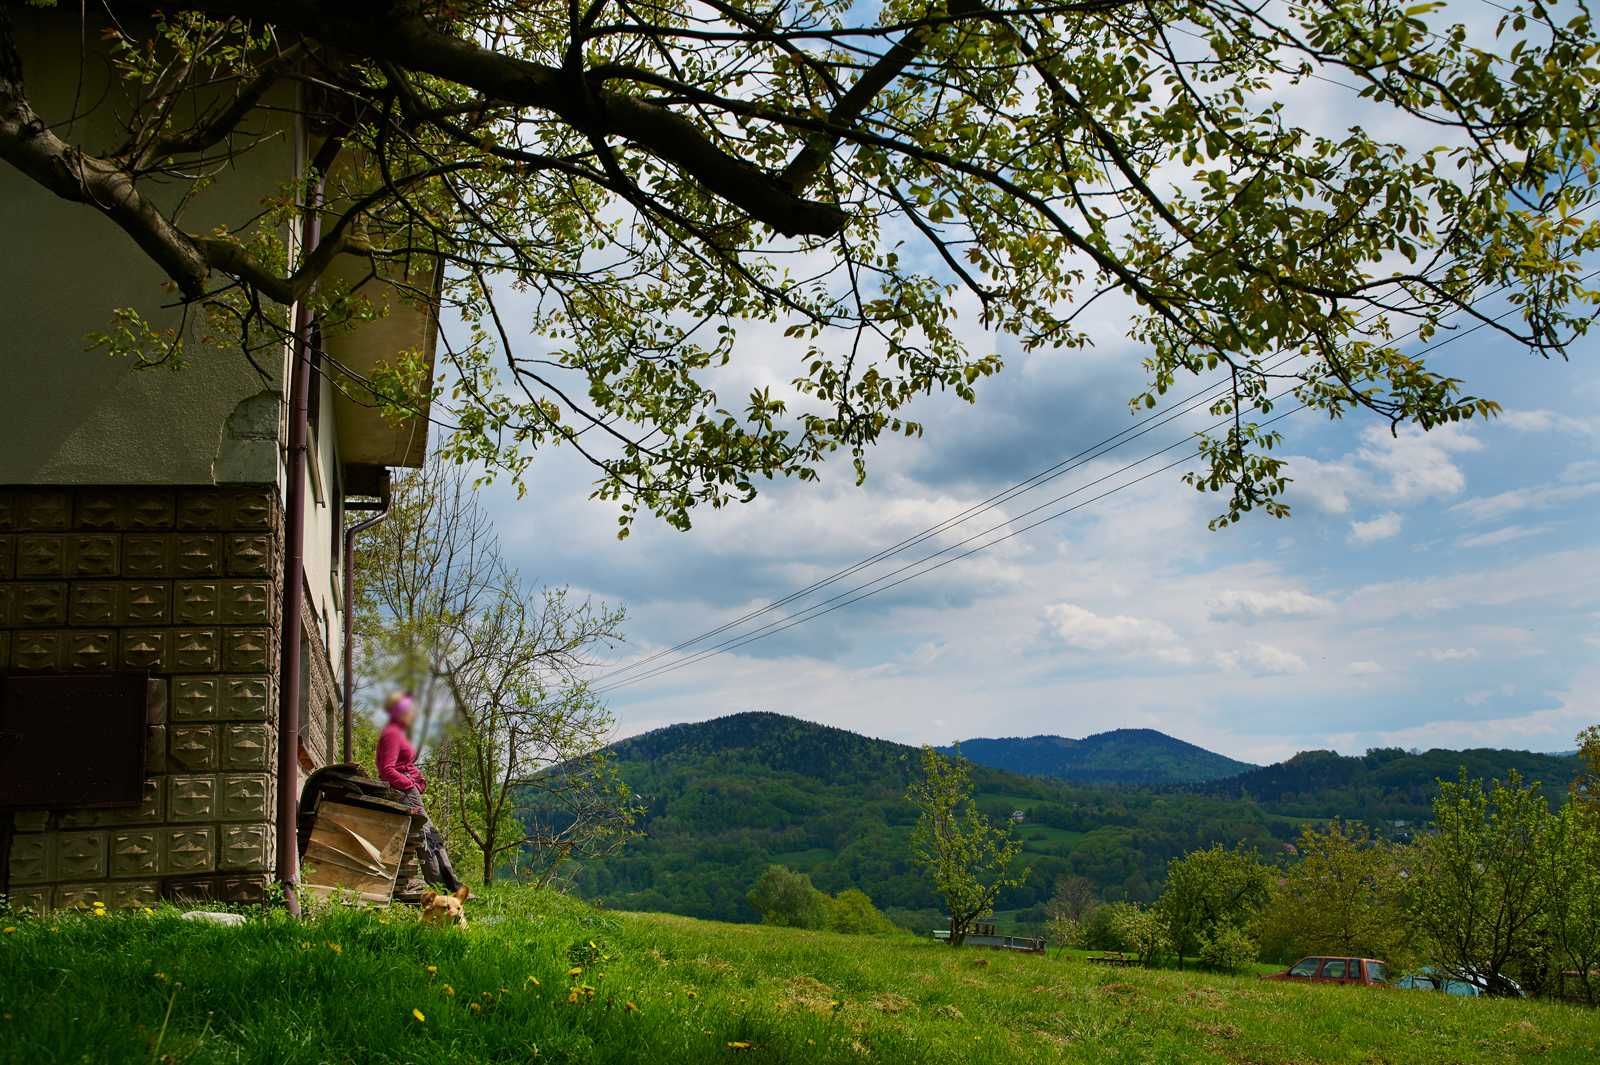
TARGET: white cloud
(1580,471)
(1383,527)
(1118,635)
(1544,421)
(1262,660)
(1451,654)
(1517,500)
(1254,605)
(1363,668)
(1328,486)
(1407,467)
(1509,534)
(1417,464)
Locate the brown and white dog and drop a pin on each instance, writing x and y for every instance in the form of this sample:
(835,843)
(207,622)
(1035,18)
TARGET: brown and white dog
(445,909)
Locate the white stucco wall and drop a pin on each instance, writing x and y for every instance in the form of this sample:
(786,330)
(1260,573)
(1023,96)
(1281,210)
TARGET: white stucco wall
(81,417)
(324,514)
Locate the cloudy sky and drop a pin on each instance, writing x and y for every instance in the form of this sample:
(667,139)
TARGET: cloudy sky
(1438,589)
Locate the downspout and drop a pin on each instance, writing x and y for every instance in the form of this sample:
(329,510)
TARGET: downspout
(350,612)
(294,577)
(294,560)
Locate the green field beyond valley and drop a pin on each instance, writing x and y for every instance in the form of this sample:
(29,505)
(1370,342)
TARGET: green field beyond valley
(542,977)
(725,798)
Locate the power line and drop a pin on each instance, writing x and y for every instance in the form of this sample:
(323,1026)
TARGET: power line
(850,597)
(1099,449)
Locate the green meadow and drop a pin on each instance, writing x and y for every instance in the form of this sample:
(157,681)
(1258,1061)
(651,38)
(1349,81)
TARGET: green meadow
(542,977)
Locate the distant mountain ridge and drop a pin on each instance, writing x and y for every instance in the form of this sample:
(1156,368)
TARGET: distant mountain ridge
(1315,782)
(723,798)
(1139,757)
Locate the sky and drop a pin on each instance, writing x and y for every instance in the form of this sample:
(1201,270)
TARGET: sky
(1436,589)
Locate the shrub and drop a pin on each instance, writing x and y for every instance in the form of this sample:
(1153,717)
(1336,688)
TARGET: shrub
(784,897)
(1228,950)
(1098,931)
(851,911)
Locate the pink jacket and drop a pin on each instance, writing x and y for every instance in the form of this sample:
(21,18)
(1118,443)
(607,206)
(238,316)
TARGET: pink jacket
(397,761)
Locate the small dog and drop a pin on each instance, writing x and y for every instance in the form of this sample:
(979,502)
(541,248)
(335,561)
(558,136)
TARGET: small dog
(445,909)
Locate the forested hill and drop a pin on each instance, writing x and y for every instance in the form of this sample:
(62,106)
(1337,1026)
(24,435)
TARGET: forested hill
(1137,756)
(724,798)
(776,743)
(1385,782)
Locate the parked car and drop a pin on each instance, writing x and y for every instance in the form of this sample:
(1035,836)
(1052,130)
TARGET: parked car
(1430,979)
(1368,972)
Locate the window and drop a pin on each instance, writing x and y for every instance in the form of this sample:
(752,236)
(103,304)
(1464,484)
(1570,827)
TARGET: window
(1333,969)
(1305,967)
(1377,972)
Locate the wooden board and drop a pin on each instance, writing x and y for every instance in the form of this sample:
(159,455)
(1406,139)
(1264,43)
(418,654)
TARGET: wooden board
(355,849)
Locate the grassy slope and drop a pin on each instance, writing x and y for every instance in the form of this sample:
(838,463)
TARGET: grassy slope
(343,988)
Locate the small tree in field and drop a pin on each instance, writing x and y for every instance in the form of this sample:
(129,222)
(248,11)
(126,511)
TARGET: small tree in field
(1478,896)
(1342,897)
(1209,892)
(1586,788)
(513,737)
(1570,871)
(1140,931)
(523,765)
(968,858)
(1073,898)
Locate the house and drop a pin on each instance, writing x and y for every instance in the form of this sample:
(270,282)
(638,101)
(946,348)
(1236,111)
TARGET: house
(1018,817)
(173,544)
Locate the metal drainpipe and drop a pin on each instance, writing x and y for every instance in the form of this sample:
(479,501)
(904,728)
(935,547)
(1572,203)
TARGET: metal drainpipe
(294,569)
(350,614)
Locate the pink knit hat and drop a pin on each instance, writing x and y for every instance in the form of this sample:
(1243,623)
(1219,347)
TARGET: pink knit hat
(398,703)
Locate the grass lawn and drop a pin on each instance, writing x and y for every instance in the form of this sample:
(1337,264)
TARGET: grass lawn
(540,977)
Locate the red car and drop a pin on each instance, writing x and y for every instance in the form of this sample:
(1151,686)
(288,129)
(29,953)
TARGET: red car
(1365,971)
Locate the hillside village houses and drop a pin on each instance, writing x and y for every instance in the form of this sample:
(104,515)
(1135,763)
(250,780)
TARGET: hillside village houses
(173,556)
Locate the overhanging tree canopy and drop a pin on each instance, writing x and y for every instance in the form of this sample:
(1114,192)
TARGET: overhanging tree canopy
(653,175)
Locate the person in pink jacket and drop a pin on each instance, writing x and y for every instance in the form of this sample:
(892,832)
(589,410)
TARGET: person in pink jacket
(397,767)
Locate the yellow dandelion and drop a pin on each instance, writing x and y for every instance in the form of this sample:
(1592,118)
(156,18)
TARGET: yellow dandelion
(576,970)
(630,1007)
(690,994)
(10,929)
(572,997)
(148,912)
(487,996)
(336,948)
(161,976)
(419,1015)
(449,991)
(739,1044)
(474,1007)
(534,980)
(433,970)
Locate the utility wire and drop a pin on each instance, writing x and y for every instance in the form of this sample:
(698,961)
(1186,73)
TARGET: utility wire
(850,596)
(1096,450)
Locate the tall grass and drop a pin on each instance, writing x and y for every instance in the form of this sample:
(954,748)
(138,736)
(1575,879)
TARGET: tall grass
(540,977)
